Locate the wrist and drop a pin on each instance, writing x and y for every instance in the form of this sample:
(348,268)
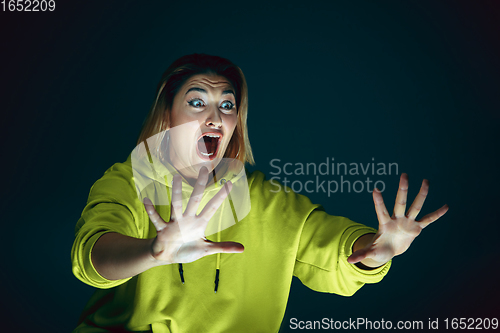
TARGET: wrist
(151,256)
(362,242)
(160,254)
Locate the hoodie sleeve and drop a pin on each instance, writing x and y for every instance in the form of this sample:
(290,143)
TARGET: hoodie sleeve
(325,244)
(112,206)
(320,243)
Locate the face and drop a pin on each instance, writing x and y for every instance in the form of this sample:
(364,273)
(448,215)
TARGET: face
(206,107)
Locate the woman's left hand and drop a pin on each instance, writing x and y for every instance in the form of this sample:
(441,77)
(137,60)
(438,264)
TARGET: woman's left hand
(396,232)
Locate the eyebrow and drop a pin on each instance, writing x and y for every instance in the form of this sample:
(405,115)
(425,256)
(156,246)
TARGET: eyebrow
(225,92)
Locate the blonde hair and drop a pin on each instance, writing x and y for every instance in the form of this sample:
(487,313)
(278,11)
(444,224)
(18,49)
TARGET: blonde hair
(159,116)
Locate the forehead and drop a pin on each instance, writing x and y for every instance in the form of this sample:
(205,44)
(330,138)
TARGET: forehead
(210,81)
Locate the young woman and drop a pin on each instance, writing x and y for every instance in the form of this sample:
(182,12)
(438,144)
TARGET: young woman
(147,235)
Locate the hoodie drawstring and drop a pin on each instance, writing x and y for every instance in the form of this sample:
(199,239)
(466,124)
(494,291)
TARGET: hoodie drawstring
(217,265)
(217,268)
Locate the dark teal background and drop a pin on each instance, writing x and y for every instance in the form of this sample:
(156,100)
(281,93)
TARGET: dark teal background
(414,83)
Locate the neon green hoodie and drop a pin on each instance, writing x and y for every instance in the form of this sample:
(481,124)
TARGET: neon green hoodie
(284,235)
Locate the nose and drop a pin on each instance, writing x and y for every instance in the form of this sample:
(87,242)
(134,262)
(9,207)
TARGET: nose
(213,119)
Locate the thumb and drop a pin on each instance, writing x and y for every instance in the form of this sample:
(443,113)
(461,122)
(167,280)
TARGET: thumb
(358,255)
(224,247)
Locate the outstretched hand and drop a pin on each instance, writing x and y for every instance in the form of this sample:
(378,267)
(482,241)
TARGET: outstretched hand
(183,240)
(396,232)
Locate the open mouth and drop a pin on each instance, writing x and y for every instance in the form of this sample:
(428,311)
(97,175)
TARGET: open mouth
(208,145)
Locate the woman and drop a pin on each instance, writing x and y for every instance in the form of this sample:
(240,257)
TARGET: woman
(151,224)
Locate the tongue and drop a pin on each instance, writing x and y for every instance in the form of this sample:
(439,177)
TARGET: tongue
(207,145)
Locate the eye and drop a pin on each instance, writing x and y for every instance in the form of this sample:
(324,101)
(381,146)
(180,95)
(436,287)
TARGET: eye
(227,105)
(196,103)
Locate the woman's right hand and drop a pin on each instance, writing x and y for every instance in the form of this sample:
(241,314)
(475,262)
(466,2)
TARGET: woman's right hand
(183,240)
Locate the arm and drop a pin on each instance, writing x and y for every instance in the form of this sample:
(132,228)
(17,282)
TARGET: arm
(116,256)
(182,240)
(326,242)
